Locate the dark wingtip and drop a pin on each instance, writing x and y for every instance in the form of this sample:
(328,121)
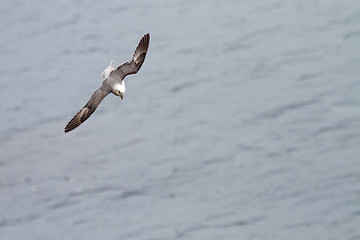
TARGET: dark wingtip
(77,120)
(142,47)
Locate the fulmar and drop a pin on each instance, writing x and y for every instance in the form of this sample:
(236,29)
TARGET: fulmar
(113,83)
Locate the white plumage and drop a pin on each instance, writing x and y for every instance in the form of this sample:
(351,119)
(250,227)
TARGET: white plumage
(106,73)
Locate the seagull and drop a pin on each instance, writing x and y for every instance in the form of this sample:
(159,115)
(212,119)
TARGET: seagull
(113,83)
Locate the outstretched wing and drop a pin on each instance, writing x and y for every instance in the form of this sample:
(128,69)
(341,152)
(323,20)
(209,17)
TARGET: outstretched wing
(135,64)
(87,110)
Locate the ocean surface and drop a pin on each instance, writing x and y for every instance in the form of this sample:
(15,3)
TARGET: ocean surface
(243,122)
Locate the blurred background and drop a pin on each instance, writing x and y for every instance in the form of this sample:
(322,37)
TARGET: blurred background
(243,122)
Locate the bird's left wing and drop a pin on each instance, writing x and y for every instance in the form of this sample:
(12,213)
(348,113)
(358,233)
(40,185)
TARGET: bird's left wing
(138,59)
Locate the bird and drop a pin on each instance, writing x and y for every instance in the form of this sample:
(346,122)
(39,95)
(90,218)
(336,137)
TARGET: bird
(113,83)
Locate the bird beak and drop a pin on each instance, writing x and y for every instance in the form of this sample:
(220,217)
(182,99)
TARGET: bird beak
(122,98)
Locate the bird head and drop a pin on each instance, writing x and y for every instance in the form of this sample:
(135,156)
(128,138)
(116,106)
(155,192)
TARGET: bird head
(119,90)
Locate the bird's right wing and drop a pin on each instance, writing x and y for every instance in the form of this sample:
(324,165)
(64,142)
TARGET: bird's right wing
(138,59)
(87,110)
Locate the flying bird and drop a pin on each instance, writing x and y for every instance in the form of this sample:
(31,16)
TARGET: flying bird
(113,83)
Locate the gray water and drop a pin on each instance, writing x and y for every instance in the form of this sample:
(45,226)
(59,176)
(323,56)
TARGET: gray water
(243,123)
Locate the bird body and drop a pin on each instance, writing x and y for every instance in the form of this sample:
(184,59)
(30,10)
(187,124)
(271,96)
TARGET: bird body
(113,83)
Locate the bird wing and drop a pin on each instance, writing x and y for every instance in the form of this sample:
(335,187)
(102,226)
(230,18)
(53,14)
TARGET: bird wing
(87,110)
(135,64)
